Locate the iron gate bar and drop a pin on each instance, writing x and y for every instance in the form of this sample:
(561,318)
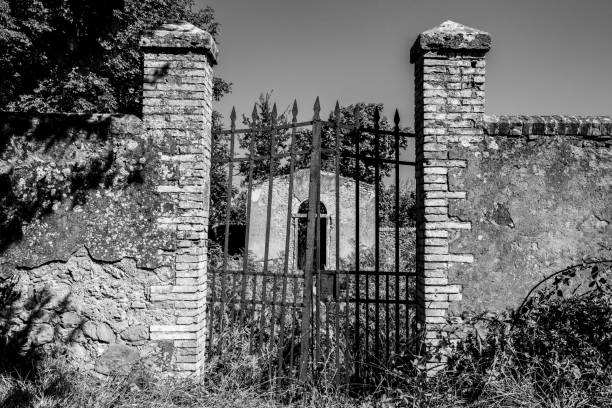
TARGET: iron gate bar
(310,122)
(306,152)
(248,217)
(377,229)
(357,119)
(396,120)
(294,275)
(294,112)
(337,198)
(317,235)
(372,272)
(268,302)
(315,174)
(268,225)
(262,128)
(228,196)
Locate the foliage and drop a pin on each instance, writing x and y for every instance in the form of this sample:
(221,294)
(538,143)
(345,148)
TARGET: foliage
(83,56)
(554,350)
(406,208)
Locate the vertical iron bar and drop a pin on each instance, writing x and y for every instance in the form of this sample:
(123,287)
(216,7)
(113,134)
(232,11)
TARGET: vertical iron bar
(317,258)
(396,120)
(337,202)
(315,175)
(294,310)
(268,224)
(294,112)
(356,116)
(367,299)
(228,208)
(248,222)
(377,231)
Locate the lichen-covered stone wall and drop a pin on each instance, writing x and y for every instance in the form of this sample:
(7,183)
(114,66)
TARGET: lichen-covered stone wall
(80,244)
(539,192)
(103,221)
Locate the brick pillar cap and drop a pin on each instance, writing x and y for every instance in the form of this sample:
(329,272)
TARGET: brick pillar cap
(181,36)
(450,36)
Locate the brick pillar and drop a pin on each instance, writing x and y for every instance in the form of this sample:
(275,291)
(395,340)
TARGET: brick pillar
(177,109)
(449,106)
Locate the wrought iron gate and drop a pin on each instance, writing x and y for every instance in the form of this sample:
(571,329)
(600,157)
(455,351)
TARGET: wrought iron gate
(317,293)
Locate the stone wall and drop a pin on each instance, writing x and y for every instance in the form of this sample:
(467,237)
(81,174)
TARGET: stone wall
(539,193)
(104,219)
(80,246)
(502,202)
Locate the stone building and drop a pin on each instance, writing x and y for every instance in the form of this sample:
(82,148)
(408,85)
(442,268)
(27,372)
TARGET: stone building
(278,218)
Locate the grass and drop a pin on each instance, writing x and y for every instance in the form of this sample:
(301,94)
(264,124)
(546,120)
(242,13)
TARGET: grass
(555,351)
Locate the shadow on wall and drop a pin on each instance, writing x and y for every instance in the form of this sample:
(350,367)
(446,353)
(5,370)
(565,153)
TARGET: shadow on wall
(52,158)
(22,334)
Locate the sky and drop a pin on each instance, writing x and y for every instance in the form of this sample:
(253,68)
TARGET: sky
(548,56)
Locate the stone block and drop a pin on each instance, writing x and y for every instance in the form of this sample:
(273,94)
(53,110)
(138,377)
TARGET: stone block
(117,359)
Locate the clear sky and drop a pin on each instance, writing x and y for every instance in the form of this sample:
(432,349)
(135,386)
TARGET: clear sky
(548,56)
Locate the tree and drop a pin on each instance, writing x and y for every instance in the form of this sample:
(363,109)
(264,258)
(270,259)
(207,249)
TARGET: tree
(407,206)
(83,55)
(261,122)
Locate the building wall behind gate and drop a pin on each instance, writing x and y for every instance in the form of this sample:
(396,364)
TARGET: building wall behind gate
(278,221)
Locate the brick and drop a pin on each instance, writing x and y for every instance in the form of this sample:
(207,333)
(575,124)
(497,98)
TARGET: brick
(434,178)
(436,281)
(436,250)
(436,242)
(436,297)
(437,305)
(443,216)
(449,225)
(446,289)
(437,202)
(173,335)
(435,312)
(462,258)
(435,233)
(436,210)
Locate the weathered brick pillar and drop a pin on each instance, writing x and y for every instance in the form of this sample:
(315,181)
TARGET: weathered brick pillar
(449,106)
(177,109)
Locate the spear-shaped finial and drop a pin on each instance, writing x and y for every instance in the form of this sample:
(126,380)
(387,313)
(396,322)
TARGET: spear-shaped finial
(274,113)
(294,111)
(396,118)
(317,109)
(254,114)
(233,118)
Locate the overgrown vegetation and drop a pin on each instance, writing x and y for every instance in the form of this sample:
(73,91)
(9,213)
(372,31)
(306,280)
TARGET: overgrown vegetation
(83,56)
(554,351)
